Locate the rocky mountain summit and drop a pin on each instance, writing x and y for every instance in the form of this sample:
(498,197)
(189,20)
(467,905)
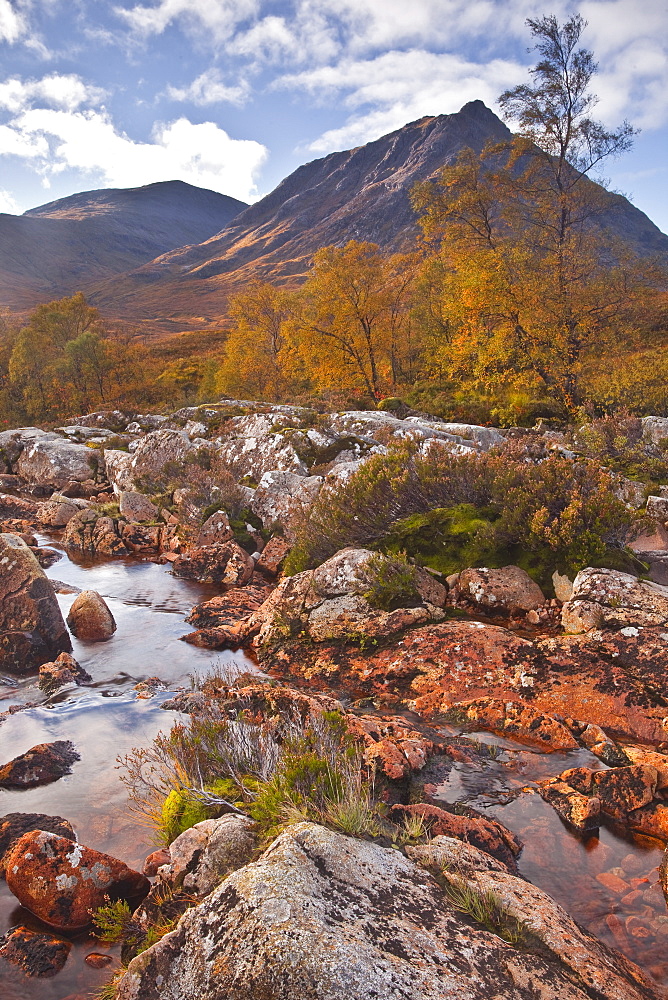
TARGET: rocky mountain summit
(360,194)
(381,672)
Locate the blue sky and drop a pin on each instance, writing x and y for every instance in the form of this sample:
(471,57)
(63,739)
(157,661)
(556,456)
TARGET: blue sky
(234,94)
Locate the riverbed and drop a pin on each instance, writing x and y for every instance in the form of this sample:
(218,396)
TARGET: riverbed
(108,717)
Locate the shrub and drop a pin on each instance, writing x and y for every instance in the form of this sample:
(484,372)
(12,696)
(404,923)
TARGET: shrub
(111,921)
(277,771)
(616,441)
(452,511)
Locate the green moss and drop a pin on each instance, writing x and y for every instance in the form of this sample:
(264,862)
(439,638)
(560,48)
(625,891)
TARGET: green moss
(179,812)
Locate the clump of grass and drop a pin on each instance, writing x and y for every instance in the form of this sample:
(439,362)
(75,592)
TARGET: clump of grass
(484,907)
(413,827)
(111,921)
(278,771)
(391,582)
(109,990)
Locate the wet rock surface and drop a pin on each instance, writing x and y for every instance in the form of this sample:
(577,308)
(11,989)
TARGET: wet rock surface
(32,629)
(41,765)
(323,915)
(63,670)
(35,953)
(61,882)
(14,825)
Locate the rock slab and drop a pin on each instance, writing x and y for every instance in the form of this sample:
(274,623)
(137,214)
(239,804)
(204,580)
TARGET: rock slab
(321,916)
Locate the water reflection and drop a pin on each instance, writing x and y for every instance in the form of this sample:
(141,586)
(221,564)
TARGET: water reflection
(104,720)
(608,880)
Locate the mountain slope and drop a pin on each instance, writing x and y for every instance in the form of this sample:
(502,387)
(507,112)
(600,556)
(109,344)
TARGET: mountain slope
(361,193)
(71,244)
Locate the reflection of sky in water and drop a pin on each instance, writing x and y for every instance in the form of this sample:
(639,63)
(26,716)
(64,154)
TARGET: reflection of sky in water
(104,721)
(149,606)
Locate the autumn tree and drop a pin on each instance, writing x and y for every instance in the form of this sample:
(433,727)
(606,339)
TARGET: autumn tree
(256,361)
(532,282)
(352,324)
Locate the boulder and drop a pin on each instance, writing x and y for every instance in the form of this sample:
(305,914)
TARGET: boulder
(647,755)
(652,820)
(215,530)
(41,765)
(657,507)
(222,621)
(14,825)
(578,809)
(225,563)
(606,598)
(328,603)
(655,429)
(118,467)
(63,670)
(563,586)
(57,513)
(282,499)
(201,857)
(160,456)
(93,534)
(507,589)
(516,720)
(248,452)
(54,461)
(90,618)
(622,790)
(321,916)
(486,834)
(36,953)
(136,506)
(63,882)
(273,555)
(32,629)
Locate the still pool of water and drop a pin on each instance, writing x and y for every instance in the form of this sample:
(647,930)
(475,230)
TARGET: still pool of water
(572,869)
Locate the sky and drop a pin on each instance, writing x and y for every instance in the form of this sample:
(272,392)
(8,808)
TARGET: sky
(233,95)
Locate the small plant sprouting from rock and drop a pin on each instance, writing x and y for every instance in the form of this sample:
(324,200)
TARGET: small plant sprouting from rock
(112,920)
(484,907)
(391,582)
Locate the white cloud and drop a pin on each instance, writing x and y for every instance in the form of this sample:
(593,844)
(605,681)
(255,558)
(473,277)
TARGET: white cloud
(13,25)
(8,203)
(208,88)
(68,92)
(217,19)
(88,142)
(399,87)
(13,142)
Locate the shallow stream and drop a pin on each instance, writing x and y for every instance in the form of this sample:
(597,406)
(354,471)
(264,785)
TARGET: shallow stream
(107,718)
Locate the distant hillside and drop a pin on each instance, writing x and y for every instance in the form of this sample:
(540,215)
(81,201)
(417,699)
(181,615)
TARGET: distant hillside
(76,242)
(361,193)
